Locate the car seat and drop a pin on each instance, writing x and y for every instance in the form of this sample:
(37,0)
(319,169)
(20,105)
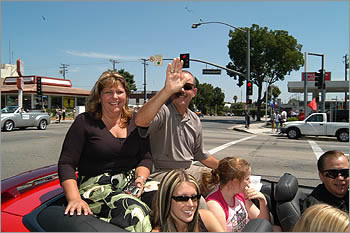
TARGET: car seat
(288,197)
(258,225)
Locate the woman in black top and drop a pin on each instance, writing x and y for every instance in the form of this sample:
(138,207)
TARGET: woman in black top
(175,206)
(103,145)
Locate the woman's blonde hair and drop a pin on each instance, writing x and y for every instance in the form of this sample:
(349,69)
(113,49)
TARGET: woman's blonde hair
(321,218)
(108,79)
(161,205)
(229,168)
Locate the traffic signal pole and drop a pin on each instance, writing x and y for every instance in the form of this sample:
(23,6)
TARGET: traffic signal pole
(247,75)
(248,63)
(323,95)
(323,88)
(305,85)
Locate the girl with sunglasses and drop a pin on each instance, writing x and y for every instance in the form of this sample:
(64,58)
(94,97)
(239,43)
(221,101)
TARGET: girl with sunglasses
(230,200)
(175,206)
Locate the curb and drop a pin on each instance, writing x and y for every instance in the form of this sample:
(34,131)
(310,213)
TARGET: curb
(242,130)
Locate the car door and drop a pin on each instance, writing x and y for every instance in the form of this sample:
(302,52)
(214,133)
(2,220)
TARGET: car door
(315,125)
(25,119)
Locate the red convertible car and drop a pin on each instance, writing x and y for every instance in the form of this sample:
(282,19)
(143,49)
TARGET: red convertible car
(34,201)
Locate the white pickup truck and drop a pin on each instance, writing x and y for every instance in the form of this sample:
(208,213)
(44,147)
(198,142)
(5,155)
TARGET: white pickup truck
(317,125)
(15,117)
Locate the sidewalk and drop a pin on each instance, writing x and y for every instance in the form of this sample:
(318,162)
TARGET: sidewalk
(67,121)
(256,127)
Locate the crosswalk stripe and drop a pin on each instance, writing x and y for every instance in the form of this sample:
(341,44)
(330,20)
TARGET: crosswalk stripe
(316,149)
(219,148)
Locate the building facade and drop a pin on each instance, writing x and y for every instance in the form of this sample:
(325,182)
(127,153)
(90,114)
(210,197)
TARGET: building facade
(55,93)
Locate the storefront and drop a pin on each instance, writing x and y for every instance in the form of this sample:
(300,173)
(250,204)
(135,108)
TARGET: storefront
(55,93)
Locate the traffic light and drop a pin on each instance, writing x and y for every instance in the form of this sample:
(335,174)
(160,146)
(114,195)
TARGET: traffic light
(249,101)
(38,86)
(186,58)
(319,79)
(249,88)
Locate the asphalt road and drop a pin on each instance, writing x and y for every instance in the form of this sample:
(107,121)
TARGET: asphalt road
(269,155)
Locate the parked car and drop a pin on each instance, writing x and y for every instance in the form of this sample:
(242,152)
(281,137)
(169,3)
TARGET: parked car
(16,117)
(316,124)
(34,201)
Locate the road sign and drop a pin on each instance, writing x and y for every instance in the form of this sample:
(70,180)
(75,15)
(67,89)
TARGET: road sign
(38,86)
(20,67)
(311,76)
(151,59)
(158,60)
(211,71)
(20,83)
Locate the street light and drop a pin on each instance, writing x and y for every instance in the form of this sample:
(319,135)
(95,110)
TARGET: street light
(247,75)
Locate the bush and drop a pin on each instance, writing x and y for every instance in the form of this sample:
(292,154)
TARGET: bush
(292,119)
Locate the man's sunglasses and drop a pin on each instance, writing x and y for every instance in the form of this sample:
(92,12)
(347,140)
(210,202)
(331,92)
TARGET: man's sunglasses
(186,198)
(334,173)
(188,86)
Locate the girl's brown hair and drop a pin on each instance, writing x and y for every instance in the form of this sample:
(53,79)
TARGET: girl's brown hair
(229,168)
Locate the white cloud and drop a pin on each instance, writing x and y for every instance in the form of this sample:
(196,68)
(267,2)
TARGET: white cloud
(102,55)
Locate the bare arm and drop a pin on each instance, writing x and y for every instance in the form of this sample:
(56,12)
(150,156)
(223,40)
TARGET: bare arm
(253,210)
(75,203)
(210,221)
(218,212)
(141,175)
(211,162)
(174,82)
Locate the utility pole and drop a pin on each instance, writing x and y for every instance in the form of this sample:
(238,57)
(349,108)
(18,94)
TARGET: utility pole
(323,93)
(144,62)
(305,84)
(346,60)
(64,70)
(114,62)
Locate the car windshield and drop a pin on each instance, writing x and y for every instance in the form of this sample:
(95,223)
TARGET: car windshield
(9,109)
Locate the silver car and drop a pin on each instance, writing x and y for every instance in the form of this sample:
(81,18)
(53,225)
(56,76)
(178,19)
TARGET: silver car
(15,117)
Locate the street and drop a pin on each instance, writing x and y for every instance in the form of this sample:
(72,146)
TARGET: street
(270,155)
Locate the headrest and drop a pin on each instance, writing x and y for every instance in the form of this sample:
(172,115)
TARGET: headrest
(258,225)
(286,188)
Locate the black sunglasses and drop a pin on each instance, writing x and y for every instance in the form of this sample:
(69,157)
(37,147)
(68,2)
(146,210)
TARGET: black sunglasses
(188,86)
(334,173)
(186,198)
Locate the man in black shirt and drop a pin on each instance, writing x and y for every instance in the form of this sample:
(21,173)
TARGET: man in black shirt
(333,168)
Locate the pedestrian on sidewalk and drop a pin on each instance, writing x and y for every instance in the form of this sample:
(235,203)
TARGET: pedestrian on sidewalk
(64,113)
(278,120)
(247,119)
(273,117)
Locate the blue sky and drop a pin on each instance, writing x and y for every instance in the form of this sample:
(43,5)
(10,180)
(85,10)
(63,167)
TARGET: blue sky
(85,35)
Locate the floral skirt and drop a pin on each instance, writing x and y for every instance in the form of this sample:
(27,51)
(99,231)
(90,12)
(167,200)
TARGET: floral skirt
(107,200)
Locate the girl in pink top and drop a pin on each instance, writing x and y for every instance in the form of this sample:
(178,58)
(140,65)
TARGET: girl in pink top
(231,201)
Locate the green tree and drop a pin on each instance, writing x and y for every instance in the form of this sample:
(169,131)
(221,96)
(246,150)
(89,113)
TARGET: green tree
(293,101)
(129,78)
(275,93)
(218,101)
(204,98)
(273,54)
(208,99)
(235,98)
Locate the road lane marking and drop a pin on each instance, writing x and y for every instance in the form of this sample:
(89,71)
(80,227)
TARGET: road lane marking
(315,148)
(219,148)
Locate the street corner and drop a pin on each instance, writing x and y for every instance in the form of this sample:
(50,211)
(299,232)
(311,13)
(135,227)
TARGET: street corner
(242,129)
